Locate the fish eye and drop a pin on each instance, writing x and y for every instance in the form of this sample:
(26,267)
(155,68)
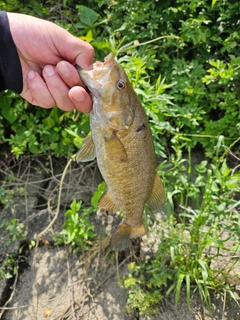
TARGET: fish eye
(121,85)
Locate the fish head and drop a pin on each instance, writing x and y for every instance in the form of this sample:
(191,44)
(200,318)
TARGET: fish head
(111,92)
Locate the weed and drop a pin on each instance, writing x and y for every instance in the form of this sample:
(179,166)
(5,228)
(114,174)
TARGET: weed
(8,267)
(77,229)
(139,297)
(15,231)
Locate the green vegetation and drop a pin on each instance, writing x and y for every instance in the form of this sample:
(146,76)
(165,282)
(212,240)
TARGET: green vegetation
(8,267)
(77,229)
(190,242)
(188,48)
(182,58)
(14,231)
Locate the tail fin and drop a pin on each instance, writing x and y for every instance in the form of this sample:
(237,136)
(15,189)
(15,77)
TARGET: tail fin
(120,240)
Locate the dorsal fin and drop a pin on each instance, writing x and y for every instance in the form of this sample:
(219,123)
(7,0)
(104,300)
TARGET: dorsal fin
(87,153)
(157,198)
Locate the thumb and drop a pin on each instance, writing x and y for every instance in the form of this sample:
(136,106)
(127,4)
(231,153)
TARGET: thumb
(79,52)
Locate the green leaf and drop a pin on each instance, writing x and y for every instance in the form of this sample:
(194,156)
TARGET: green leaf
(34,149)
(181,276)
(8,112)
(48,122)
(213,3)
(88,16)
(204,269)
(97,194)
(234,182)
(88,37)
(75,218)
(188,289)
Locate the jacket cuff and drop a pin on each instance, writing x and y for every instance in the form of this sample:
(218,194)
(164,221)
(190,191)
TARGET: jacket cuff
(10,66)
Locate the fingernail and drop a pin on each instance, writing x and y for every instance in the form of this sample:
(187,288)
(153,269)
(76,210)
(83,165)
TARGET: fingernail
(64,70)
(31,74)
(49,70)
(78,96)
(90,67)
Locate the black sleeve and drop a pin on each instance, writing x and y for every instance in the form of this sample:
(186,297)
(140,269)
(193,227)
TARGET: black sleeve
(10,67)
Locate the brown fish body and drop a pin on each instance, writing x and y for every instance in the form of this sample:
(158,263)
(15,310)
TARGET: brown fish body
(127,162)
(124,149)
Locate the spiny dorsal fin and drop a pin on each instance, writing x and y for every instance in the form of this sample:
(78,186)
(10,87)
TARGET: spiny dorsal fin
(156,199)
(107,202)
(87,153)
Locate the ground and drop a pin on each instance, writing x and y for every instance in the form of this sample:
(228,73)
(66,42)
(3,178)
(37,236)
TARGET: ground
(54,284)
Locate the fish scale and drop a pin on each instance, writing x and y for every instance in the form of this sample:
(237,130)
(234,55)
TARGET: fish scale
(123,145)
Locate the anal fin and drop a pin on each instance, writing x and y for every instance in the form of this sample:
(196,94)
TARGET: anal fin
(157,198)
(107,202)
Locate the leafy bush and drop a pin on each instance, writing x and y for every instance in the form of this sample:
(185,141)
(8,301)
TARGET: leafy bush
(206,34)
(192,45)
(37,130)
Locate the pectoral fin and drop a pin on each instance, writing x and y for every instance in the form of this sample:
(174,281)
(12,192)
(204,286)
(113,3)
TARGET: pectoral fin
(156,199)
(107,202)
(87,153)
(115,149)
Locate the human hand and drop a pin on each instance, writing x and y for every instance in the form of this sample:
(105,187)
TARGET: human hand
(48,54)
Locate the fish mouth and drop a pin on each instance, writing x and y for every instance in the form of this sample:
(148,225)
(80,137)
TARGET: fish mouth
(97,77)
(108,62)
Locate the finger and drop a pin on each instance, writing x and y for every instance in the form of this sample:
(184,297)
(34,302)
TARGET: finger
(37,92)
(69,74)
(75,50)
(81,99)
(83,54)
(58,88)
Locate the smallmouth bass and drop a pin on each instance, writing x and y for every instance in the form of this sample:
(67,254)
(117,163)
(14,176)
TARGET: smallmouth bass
(121,141)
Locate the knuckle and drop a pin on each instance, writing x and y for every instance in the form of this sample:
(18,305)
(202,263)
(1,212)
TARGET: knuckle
(48,104)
